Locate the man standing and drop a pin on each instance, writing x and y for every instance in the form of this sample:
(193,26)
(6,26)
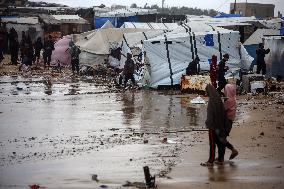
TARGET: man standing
(128,71)
(48,48)
(222,69)
(14,46)
(75,52)
(260,54)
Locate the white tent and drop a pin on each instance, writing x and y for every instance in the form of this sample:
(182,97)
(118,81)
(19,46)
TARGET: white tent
(257,36)
(107,25)
(96,46)
(275,59)
(170,53)
(151,25)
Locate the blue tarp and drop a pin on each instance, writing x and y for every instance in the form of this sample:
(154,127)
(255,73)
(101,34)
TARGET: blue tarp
(251,49)
(282,31)
(116,21)
(224,15)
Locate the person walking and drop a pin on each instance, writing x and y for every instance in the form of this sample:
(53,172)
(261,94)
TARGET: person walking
(48,48)
(215,122)
(230,105)
(128,71)
(260,55)
(222,69)
(213,71)
(75,52)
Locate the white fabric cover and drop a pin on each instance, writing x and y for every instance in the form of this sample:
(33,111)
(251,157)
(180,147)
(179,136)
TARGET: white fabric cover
(180,54)
(257,36)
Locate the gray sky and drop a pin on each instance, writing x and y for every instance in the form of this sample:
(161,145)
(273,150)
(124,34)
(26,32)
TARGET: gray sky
(220,5)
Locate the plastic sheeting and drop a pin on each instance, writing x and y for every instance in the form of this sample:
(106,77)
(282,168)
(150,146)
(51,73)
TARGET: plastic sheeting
(91,59)
(61,54)
(170,54)
(275,59)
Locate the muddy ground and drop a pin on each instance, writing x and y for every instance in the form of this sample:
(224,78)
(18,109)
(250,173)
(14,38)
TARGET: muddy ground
(62,131)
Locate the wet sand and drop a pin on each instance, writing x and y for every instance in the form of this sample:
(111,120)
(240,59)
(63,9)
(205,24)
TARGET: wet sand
(60,132)
(259,140)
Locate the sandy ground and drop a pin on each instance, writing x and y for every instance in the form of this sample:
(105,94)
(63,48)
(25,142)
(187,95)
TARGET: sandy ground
(59,131)
(260,164)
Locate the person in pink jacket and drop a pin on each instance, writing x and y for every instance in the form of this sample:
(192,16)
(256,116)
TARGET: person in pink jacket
(230,105)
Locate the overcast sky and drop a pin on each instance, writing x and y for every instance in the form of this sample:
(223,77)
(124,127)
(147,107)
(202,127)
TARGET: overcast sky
(219,5)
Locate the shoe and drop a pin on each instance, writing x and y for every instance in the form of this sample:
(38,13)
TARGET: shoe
(234,154)
(207,164)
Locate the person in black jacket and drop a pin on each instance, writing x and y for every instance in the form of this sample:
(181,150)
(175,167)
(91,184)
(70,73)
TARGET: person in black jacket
(260,54)
(193,67)
(14,46)
(222,69)
(48,48)
(38,46)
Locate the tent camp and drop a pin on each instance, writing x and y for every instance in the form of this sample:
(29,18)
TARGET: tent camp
(169,54)
(119,16)
(275,59)
(251,44)
(96,46)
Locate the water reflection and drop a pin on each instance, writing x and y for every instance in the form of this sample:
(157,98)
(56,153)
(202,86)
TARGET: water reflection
(222,173)
(128,107)
(47,87)
(169,113)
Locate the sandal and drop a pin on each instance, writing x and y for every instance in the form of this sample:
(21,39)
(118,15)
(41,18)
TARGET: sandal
(207,164)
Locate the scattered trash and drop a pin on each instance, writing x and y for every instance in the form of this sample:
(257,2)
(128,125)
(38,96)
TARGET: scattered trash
(145,141)
(262,134)
(257,86)
(140,185)
(197,100)
(95,178)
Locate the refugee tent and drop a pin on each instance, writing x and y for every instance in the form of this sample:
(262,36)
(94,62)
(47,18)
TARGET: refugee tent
(135,40)
(151,25)
(275,59)
(61,55)
(251,44)
(108,24)
(119,16)
(170,54)
(96,46)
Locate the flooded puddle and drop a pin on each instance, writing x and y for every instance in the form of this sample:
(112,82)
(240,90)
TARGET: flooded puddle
(58,134)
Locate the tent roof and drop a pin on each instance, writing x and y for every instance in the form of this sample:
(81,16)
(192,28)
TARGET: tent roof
(100,41)
(108,24)
(257,36)
(127,12)
(150,25)
(21,20)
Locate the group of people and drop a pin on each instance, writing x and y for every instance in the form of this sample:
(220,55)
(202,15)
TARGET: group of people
(26,51)
(220,117)
(217,72)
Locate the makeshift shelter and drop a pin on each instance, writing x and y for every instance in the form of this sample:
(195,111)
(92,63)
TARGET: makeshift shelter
(96,46)
(61,55)
(151,25)
(275,59)
(119,16)
(251,44)
(170,54)
(30,25)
